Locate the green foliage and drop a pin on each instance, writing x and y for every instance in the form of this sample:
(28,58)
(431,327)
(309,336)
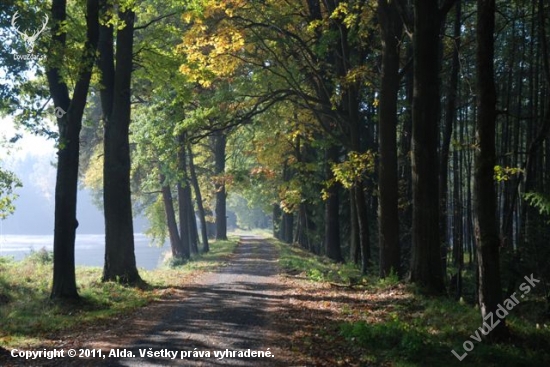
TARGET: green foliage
(423,332)
(539,201)
(249,216)
(158,229)
(175,262)
(8,184)
(406,339)
(354,169)
(505,173)
(41,257)
(391,280)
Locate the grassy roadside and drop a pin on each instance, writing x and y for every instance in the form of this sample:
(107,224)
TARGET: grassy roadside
(340,318)
(28,317)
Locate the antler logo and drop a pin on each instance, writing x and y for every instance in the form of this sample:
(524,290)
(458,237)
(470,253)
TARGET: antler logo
(29,40)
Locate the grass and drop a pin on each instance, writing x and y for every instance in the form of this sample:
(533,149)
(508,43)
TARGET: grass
(428,337)
(28,316)
(316,268)
(389,323)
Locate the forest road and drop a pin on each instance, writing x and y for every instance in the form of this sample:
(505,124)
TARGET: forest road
(227,310)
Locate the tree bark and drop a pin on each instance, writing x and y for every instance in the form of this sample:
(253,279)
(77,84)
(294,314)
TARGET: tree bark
(287,232)
(364,231)
(221,207)
(175,239)
(277,222)
(332,207)
(192,224)
(184,198)
(70,123)
(304,228)
(450,117)
(120,260)
(388,230)
(426,259)
(198,197)
(485,220)
(355,248)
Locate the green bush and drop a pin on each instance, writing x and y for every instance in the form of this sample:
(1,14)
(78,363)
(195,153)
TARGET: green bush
(41,256)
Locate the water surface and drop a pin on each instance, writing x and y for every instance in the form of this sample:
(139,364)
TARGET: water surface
(89,251)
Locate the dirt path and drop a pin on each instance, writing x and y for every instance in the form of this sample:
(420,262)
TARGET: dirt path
(227,310)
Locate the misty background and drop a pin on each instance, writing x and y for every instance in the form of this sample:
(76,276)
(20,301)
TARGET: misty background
(30,228)
(32,159)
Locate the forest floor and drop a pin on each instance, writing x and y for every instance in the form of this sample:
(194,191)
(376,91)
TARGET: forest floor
(305,311)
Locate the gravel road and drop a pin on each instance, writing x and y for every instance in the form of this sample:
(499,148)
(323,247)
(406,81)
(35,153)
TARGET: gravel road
(228,310)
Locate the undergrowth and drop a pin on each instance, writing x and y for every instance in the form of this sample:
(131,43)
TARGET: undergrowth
(397,325)
(316,268)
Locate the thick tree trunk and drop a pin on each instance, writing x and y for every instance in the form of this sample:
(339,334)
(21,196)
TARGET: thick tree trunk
(188,223)
(120,260)
(332,207)
(70,123)
(221,207)
(175,239)
(64,281)
(426,259)
(486,223)
(184,220)
(287,231)
(200,206)
(304,229)
(388,229)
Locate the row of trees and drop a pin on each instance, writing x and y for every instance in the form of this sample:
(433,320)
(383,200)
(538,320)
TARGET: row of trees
(91,53)
(401,111)
(394,127)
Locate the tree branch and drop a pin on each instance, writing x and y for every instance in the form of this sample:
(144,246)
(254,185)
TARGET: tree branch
(155,21)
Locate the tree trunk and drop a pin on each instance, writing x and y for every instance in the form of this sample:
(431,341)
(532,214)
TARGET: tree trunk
(304,229)
(450,117)
(287,227)
(221,208)
(200,206)
(362,219)
(277,222)
(426,259)
(486,223)
(192,224)
(355,250)
(175,239)
(120,260)
(184,198)
(405,172)
(458,242)
(70,123)
(332,207)
(189,226)
(388,230)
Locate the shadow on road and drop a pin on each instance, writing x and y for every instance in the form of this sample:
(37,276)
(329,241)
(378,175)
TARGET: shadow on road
(227,311)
